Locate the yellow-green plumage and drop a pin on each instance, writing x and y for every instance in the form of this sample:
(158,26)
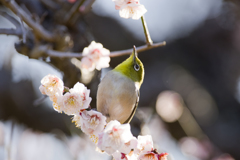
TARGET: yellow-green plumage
(127,69)
(118,92)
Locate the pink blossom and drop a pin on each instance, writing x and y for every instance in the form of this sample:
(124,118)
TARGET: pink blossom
(119,4)
(92,122)
(76,119)
(145,144)
(148,156)
(75,100)
(54,99)
(162,156)
(114,136)
(50,85)
(132,156)
(95,57)
(127,147)
(121,156)
(130,8)
(87,63)
(42,89)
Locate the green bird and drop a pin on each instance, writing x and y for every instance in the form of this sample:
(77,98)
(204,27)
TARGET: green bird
(118,92)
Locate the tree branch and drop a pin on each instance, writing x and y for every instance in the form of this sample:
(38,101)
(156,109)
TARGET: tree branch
(139,49)
(10,31)
(37,29)
(87,6)
(10,18)
(7,31)
(73,10)
(52,53)
(50,4)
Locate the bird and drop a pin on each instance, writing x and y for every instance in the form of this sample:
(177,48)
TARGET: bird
(118,92)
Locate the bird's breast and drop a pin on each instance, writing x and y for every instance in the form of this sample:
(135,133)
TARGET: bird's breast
(116,96)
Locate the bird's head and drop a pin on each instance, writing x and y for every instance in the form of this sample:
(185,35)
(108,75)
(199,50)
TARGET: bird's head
(132,68)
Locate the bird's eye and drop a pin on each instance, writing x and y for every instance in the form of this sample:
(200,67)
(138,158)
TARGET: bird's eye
(136,67)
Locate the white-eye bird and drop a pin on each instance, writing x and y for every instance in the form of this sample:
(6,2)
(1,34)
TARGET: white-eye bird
(118,92)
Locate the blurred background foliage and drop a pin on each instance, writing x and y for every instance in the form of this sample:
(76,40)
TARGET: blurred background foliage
(190,97)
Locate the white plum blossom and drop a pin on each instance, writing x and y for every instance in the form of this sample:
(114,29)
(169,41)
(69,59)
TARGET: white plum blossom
(162,156)
(76,119)
(95,56)
(145,144)
(51,85)
(130,8)
(127,147)
(87,64)
(114,136)
(121,156)
(42,89)
(152,155)
(148,156)
(54,99)
(92,122)
(75,100)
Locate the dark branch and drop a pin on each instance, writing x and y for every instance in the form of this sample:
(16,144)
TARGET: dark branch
(87,6)
(10,18)
(52,53)
(139,49)
(73,10)
(50,4)
(7,31)
(24,32)
(11,31)
(37,29)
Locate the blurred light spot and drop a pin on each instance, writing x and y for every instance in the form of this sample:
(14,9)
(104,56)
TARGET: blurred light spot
(193,147)
(86,76)
(48,59)
(224,156)
(32,145)
(196,97)
(202,105)
(2,133)
(189,124)
(169,106)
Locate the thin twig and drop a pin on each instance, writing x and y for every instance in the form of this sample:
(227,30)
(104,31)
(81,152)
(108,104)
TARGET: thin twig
(24,33)
(73,10)
(37,29)
(52,53)
(146,32)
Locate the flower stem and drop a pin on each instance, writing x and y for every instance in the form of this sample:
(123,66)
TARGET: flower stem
(146,32)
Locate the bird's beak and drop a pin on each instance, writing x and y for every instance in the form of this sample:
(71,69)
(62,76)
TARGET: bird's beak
(134,54)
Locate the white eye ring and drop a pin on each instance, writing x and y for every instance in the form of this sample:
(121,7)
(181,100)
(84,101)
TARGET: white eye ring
(136,67)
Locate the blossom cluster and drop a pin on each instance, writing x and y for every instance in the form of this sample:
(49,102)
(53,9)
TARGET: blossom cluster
(113,138)
(130,8)
(95,56)
(71,102)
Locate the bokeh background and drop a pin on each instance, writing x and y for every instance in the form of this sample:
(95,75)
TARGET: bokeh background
(189,100)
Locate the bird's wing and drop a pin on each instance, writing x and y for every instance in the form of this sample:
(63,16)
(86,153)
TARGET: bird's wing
(134,109)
